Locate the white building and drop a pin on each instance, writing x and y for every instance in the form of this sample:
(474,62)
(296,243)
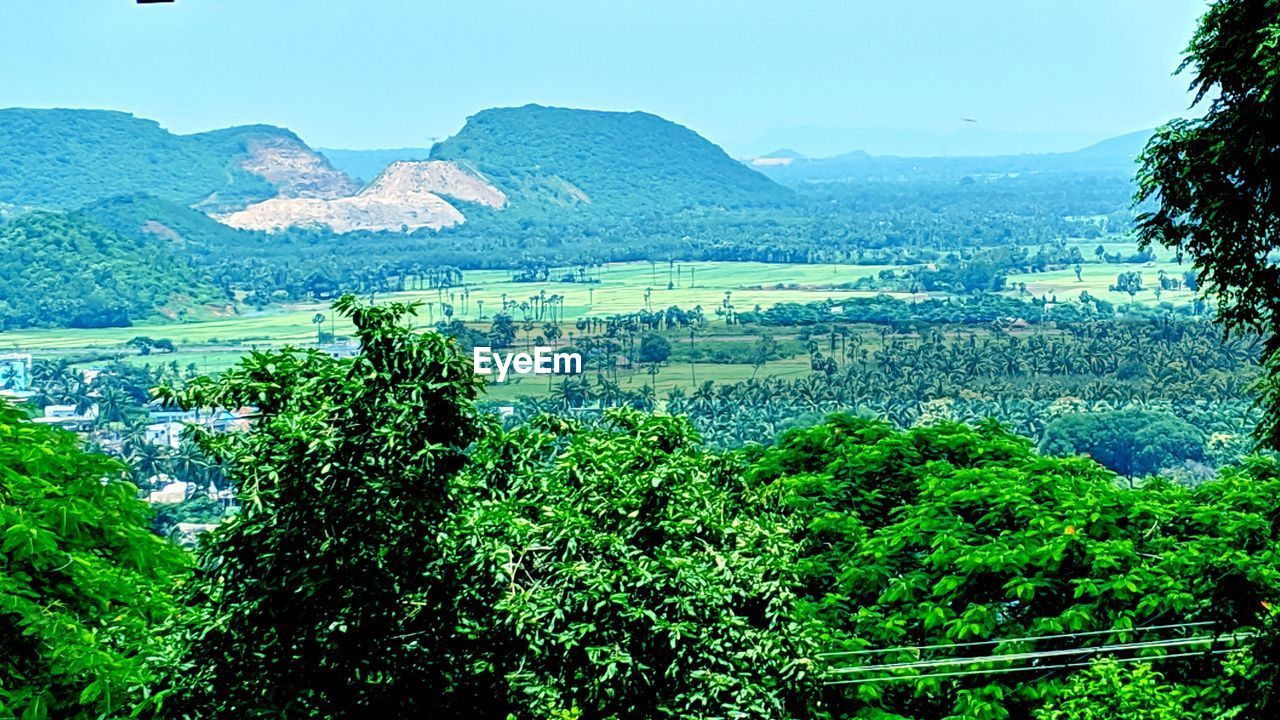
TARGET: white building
(67,418)
(171,491)
(341,351)
(167,434)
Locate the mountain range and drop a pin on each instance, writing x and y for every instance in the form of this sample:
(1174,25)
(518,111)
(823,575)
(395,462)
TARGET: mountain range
(1114,156)
(525,161)
(262,177)
(968,137)
(253,214)
(62,159)
(637,161)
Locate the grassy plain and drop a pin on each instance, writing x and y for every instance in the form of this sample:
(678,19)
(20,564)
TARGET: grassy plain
(214,344)
(620,290)
(1097,279)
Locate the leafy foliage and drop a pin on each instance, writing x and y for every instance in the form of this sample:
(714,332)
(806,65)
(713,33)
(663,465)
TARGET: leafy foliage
(1210,179)
(83,582)
(626,572)
(317,599)
(397,554)
(615,572)
(954,534)
(1111,691)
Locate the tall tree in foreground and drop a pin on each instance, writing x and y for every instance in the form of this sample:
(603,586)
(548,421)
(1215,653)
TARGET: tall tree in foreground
(624,571)
(83,581)
(1213,180)
(323,598)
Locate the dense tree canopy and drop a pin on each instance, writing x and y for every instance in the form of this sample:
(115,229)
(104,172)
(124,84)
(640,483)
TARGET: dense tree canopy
(65,271)
(323,597)
(954,534)
(399,554)
(627,572)
(1133,443)
(83,582)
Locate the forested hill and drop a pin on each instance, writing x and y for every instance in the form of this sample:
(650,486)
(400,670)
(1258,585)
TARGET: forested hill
(62,159)
(64,270)
(188,231)
(611,161)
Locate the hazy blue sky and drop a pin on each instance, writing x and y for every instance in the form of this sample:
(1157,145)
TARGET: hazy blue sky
(747,74)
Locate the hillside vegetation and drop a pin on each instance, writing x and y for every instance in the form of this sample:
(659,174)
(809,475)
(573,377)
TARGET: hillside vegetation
(191,230)
(517,188)
(62,159)
(67,271)
(612,161)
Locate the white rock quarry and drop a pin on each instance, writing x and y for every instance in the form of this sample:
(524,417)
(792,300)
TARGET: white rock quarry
(441,177)
(296,170)
(406,196)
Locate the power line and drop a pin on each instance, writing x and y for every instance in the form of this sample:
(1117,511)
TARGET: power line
(1146,624)
(981,643)
(999,671)
(1123,647)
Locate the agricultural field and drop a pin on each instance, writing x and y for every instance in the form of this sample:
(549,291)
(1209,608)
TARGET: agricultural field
(621,287)
(1098,278)
(213,345)
(621,290)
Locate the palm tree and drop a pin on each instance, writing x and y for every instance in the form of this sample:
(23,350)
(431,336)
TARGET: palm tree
(113,403)
(318,321)
(189,463)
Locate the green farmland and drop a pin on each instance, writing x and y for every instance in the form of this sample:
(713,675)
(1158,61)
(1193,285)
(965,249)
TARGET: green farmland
(214,344)
(620,290)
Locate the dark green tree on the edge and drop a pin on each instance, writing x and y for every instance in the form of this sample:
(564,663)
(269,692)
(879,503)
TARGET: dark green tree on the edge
(1212,180)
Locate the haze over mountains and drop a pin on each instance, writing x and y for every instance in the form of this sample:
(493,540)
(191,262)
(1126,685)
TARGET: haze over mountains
(366,165)
(969,137)
(1109,157)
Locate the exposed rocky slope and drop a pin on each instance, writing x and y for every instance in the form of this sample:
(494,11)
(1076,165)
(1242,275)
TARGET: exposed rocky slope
(439,177)
(407,196)
(294,169)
